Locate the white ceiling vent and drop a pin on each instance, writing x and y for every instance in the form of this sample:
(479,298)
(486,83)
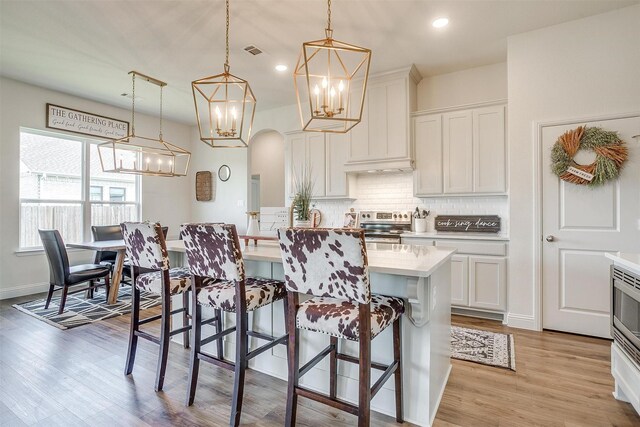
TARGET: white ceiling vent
(253,50)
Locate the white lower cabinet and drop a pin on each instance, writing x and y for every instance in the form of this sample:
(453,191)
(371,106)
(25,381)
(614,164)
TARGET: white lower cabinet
(478,272)
(487,276)
(460,280)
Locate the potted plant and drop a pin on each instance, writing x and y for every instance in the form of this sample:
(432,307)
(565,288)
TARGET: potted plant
(303,187)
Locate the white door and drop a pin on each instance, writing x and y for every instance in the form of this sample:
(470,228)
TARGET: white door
(579,225)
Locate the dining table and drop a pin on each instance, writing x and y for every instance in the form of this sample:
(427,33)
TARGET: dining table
(116,246)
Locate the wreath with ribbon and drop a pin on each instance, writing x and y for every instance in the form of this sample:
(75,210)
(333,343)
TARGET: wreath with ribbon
(611,154)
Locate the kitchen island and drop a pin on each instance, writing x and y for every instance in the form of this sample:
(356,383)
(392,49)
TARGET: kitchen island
(421,276)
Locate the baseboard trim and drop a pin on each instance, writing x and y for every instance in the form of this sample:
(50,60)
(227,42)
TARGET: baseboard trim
(22,290)
(469,312)
(521,321)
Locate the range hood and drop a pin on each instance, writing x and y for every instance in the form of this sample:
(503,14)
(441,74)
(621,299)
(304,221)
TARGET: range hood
(380,166)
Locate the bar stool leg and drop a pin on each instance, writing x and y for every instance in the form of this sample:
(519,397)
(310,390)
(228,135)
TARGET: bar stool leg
(293,359)
(133,338)
(196,331)
(185,318)
(219,342)
(333,368)
(242,341)
(397,355)
(364,400)
(165,329)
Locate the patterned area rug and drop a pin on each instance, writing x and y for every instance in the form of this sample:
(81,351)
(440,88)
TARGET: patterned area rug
(484,347)
(79,311)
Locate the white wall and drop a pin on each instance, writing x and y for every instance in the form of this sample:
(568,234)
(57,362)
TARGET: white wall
(582,68)
(479,84)
(266,156)
(230,197)
(23,105)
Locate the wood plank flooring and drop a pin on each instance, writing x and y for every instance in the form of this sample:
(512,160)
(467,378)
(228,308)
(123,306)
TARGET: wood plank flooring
(50,377)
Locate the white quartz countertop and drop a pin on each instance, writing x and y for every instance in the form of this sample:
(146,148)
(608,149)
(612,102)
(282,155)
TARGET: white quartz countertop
(454,236)
(629,260)
(403,260)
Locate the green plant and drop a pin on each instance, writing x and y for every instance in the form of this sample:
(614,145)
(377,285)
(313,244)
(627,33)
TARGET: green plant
(303,187)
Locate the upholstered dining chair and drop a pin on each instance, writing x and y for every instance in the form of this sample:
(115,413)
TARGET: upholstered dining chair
(63,276)
(149,259)
(331,265)
(213,252)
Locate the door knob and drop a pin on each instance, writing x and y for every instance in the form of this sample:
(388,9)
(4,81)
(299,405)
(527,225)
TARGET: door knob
(549,238)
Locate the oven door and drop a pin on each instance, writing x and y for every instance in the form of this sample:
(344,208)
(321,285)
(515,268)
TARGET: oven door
(379,238)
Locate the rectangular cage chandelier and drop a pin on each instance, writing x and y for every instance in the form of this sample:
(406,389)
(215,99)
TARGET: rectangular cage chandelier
(330,80)
(140,155)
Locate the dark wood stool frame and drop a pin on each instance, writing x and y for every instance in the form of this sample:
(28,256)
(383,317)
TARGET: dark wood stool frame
(165,324)
(365,391)
(242,346)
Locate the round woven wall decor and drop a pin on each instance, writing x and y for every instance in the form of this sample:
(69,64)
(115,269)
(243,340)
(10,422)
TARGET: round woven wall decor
(611,153)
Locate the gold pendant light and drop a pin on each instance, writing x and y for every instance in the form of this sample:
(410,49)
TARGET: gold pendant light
(141,155)
(331,80)
(225,106)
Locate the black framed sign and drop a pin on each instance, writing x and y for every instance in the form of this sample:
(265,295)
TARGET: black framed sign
(76,121)
(468,223)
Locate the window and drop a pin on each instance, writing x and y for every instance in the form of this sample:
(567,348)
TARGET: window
(117,194)
(95,193)
(62,186)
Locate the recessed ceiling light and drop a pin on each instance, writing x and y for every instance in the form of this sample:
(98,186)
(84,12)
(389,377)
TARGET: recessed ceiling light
(440,22)
(281,67)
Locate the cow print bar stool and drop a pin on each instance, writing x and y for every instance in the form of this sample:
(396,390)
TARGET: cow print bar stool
(332,266)
(147,252)
(213,252)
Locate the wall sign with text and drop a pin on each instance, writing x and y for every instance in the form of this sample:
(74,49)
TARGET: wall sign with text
(85,123)
(468,223)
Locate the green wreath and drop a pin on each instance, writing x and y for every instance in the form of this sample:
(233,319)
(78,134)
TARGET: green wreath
(611,154)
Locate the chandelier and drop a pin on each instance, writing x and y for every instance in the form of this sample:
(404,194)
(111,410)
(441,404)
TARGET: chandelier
(225,106)
(134,154)
(330,79)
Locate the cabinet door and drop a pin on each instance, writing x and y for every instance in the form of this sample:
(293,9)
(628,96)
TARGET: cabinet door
(487,283)
(396,117)
(316,162)
(427,137)
(460,280)
(337,146)
(458,152)
(489,150)
(296,160)
(359,135)
(377,121)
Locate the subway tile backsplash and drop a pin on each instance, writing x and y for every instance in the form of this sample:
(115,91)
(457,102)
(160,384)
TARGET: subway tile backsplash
(394,191)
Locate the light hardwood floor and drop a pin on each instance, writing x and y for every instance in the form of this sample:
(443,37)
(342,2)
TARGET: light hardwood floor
(50,377)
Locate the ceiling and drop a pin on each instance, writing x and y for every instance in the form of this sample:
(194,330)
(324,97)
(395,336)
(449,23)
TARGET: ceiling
(86,48)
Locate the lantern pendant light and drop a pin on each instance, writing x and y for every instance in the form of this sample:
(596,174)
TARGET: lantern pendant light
(134,154)
(330,79)
(225,106)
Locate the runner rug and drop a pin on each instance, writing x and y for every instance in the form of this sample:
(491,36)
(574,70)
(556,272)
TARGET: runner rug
(487,348)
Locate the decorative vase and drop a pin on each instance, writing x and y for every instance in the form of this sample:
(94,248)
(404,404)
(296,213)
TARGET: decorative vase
(302,223)
(252,227)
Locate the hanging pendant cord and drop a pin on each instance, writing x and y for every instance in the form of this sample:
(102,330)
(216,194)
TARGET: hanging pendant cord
(329,15)
(226,62)
(133,104)
(161,87)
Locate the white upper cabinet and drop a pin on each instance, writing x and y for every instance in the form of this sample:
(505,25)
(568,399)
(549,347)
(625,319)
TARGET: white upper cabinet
(321,155)
(427,136)
(381,140)
(460,152)
(489,150)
